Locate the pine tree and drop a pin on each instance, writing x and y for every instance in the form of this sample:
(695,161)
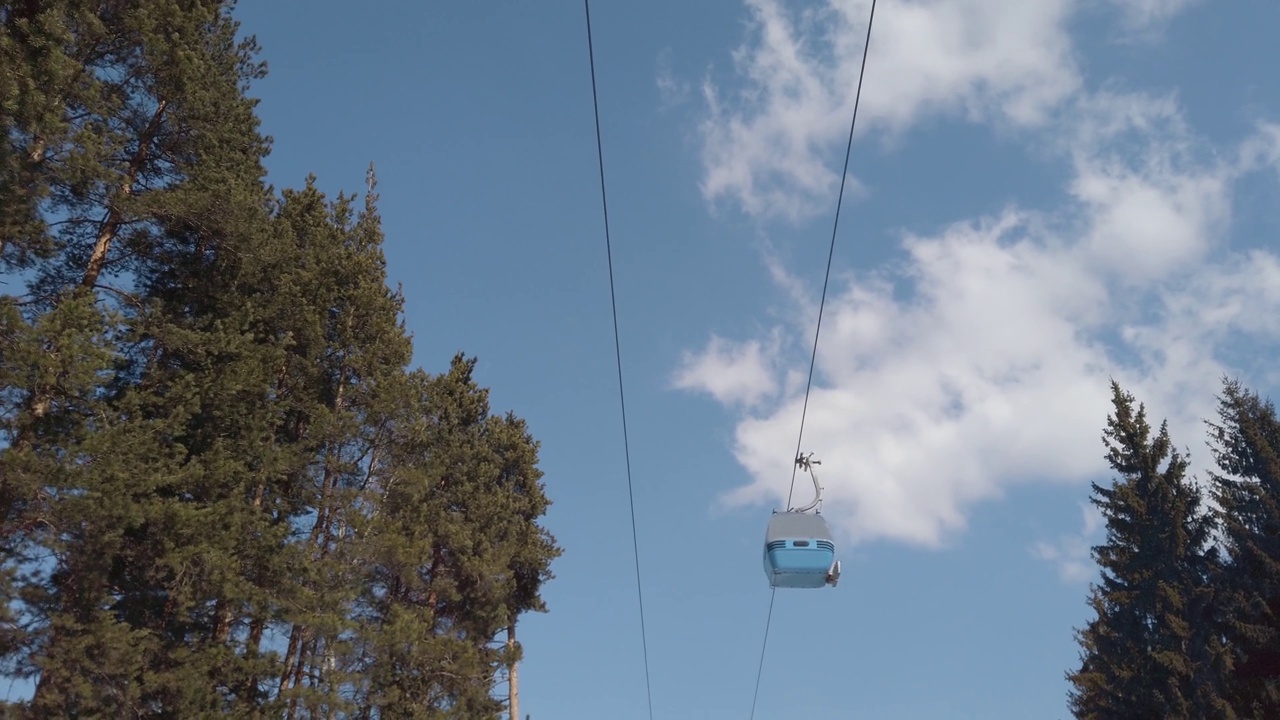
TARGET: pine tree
(1152,650)
(205,417)
(350,354)
(1247,452)
(132,182)
(454,553)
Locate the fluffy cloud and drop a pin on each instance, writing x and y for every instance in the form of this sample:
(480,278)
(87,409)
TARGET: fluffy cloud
(994,371)
(1010,62)
(769,146)
(732,373)
(1152,204)
(983,360)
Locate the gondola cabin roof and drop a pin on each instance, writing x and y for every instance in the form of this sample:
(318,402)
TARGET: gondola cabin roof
(789,525)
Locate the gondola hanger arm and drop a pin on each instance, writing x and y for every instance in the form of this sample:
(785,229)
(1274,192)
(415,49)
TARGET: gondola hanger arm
(807,462)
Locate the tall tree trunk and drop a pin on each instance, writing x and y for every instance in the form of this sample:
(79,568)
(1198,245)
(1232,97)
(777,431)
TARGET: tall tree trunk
(512,669)
(111,226)
(306,649)
(290,656)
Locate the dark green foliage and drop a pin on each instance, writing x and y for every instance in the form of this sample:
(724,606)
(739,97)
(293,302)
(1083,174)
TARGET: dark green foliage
(210,436)
(1152,651)
(454,551)
(122,120)
(1247,451)
(134,151)
(55,502)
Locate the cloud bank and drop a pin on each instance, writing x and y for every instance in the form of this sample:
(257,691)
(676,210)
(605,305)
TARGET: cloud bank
(982,360)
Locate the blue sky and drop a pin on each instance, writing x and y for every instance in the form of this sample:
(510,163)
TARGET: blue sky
(1043,195)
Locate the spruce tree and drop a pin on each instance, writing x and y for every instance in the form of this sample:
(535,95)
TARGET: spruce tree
(1152,650)
(1246,444)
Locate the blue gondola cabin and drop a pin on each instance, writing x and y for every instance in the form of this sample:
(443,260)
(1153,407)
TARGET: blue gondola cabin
(800,552)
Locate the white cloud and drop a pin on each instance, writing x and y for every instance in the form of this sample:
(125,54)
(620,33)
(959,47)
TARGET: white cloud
(1010,62)
(1153,204)
(995,370)
(1234,299)
(984,361)
(1072,552)
(1147,230)
(731,373)
(1237,295)
(768,145)
(923,407)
